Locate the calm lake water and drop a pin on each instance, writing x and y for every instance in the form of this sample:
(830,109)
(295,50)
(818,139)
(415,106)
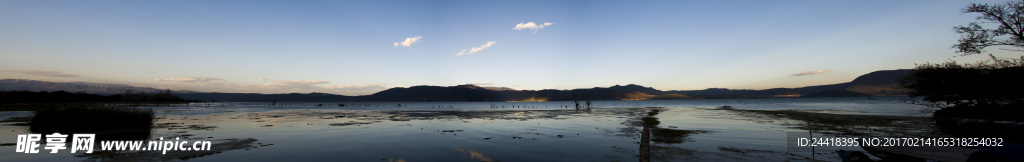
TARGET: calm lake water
(485,131)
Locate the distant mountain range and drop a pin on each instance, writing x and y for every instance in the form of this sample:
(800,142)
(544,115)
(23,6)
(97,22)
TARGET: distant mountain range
(95,88)
(878,83)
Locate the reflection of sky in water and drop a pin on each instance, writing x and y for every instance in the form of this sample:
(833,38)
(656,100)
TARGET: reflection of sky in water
(417,132)
(473,155)
(300,135)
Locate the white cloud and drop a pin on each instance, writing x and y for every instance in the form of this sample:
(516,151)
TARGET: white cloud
(532,26)
(811,72)
(42,73)
(261,79)
(476,49)
(188,79)
(408,41)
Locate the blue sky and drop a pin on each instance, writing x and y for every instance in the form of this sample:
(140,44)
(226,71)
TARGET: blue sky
(348,47)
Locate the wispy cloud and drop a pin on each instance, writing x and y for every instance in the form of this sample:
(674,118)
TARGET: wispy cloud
(42,73)
(532,26)
(476,49)
(189,79)
(408,41)
(810,72)
(261,79)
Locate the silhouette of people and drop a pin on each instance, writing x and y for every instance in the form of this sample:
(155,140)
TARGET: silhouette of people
(577,104)
(588,103)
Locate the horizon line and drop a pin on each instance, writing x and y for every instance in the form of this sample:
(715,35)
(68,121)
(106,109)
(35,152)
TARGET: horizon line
(407,87)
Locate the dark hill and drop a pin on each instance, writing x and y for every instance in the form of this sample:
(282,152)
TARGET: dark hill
(256,97)
(879,83)
(715,92)
(882,77)
(95,88)
(435,93)
(635,88)
(836,93)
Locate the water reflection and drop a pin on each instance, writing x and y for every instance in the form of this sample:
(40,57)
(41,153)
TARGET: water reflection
(106,123)
(600,134)
(652,133)
(218,147)
(473,155)
(396,159)
(370,117)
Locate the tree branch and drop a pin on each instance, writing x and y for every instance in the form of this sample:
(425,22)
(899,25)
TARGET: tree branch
(1011,49)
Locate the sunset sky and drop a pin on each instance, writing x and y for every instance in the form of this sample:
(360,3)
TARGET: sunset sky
(361,47)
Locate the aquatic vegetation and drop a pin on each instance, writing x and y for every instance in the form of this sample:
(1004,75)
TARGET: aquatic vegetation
(845,124)
(672,136)
(350,123)
(18,121)
(650,121)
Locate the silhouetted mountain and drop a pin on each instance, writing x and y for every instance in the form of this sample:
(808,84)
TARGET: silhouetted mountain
(714,92)
(452,93)
(256,97)
(95,88)
(435,93)
(836,93)
(819,88)
(636,88)
(475,93)
(879,83)
(22,97)
(774,92)
(498,88)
